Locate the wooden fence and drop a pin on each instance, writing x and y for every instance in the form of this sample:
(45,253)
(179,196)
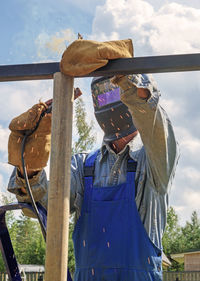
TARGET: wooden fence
(181,276)
(30,276)
(167,276)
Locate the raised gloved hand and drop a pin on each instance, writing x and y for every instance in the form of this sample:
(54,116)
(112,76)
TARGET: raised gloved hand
(37,145)
(85,56)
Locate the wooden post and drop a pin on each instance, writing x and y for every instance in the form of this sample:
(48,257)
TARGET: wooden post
(59,191)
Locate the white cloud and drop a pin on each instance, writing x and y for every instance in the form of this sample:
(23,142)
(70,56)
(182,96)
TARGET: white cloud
(181,97)
(4,133)
(174,109)
(189,146)
(159,3)
(192,198)
(185,194)
(20,96)
(189,201)
(1,180)
(192,174)
(171,29)
(5,167)
(122,14)
(5,172)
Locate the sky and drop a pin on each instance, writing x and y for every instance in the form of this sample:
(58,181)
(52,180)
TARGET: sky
(39,31)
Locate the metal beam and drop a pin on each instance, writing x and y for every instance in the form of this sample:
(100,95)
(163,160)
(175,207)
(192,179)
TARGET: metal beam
(153,64)
(33,71)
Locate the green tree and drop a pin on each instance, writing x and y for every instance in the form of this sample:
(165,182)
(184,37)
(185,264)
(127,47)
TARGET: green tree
(27,240)
(71,258)
(191,233)
(177,239)
(172,238)
(86,138)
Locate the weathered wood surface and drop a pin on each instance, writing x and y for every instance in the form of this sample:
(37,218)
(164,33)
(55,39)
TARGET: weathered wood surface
(59,191)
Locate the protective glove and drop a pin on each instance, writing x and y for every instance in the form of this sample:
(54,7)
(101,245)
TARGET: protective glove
(85,56)
(37,145)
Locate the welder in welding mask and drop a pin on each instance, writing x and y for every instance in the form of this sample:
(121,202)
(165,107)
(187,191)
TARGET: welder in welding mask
(118,235)
(119,191)
(112,115)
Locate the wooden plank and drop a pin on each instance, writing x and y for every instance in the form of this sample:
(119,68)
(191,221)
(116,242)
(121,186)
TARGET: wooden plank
(59,191)
(152,64)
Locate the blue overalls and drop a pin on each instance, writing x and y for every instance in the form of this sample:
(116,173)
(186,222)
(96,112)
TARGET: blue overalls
(110,241)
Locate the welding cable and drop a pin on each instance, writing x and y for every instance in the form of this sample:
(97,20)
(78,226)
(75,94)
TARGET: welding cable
(27,134)
(77,93)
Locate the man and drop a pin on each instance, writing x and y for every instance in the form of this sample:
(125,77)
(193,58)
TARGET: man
(119,192)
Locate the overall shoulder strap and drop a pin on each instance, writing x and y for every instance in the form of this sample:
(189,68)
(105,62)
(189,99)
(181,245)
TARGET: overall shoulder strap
(131,165)
(130,177)
(89,167)
(90,163)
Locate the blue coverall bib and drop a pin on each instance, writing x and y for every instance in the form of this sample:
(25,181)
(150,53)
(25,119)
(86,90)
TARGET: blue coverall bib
(110,241)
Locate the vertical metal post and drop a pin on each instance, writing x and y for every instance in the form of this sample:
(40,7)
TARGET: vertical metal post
(59,191)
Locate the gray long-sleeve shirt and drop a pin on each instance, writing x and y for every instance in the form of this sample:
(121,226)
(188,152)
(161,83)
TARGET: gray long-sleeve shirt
(156,161)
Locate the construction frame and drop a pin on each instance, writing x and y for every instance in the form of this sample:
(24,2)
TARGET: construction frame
(59,190)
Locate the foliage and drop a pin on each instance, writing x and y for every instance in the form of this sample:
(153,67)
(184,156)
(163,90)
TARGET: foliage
(171,238)
(85,139)
(27,240)
(177,239)
(191,233)
(71,259)
(26,237)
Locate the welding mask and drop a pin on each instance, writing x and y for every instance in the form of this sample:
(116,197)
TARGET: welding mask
(112,115)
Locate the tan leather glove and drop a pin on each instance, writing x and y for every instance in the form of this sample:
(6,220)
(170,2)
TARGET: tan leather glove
(37,145)
(85,56)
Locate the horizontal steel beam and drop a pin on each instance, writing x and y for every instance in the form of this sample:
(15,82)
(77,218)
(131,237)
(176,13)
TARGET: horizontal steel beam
(154,64)
(33,71)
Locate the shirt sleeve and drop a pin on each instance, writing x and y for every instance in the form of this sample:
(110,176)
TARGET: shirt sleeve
(154,127)
(40,185)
